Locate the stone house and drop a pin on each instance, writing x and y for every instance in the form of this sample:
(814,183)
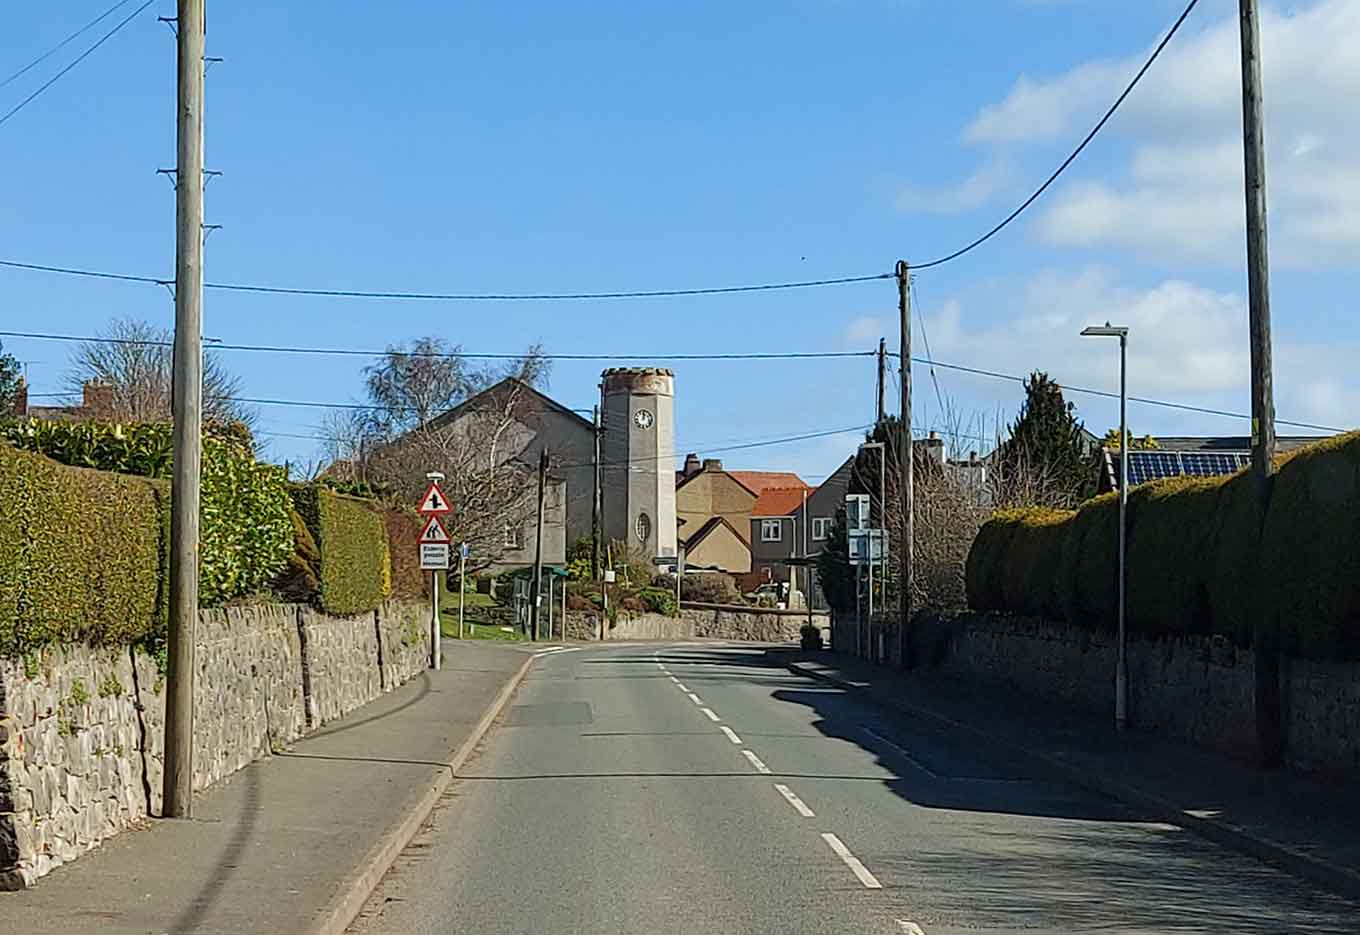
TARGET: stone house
(713,509)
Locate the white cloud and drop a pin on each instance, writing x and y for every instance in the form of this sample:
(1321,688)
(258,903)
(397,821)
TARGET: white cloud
(862,332)
(1182,191)
(1187,344)
(973,192)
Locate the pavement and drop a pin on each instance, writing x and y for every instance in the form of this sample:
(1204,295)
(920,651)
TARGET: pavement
(294,842)
(1306,826)
(706,788)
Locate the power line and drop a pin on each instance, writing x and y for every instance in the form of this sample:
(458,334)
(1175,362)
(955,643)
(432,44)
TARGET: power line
(1107,394)
(921,317)
(1075,153)
(65,42)
(80,58)
(454,355)
(454,296)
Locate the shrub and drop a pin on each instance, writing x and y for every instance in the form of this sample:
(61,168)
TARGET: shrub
(80,555)
(710,588)
(580,602)
(630,603)
(1310,551)
(1029,567)
(1085,585)
(985,565)
(403,548)
(245,534)
(659,601)
(298,581)
(1171,555)
(355,571)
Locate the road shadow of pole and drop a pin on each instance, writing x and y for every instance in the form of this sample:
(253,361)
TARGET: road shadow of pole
(189,920)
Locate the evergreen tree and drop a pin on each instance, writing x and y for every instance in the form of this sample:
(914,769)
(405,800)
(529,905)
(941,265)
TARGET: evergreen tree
(834,571)
(1047,451)
(11,374)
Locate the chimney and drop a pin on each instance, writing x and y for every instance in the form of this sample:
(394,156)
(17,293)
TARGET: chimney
(972,457)
(691,464)
(97,400)
(20,408)
(712,464)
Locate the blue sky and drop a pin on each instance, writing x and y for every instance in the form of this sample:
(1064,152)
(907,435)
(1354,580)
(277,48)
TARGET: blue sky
(555,147)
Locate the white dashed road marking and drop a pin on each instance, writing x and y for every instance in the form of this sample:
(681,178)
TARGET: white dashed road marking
(850,860)
(730,734)
(681,686)
(708,713)
(756,762)
(675,680)
(910,928)
(695,698)
(798,804)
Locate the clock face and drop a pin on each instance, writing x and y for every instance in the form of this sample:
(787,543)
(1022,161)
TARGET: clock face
(643,418)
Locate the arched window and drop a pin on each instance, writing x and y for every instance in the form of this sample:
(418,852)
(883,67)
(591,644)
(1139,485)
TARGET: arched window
(643,527)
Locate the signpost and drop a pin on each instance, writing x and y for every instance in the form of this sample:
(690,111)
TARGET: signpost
(463,552)
(434,556)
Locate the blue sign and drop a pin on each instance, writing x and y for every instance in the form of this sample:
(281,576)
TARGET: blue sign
(464,551)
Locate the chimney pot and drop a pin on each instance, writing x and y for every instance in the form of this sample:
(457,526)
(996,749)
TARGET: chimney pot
(713,464)
(98,400)
(20,408)
(691,464)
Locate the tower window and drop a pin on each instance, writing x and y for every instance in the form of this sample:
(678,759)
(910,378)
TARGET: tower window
(643,527)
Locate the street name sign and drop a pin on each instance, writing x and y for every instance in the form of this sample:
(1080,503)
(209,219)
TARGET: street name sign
(434,556)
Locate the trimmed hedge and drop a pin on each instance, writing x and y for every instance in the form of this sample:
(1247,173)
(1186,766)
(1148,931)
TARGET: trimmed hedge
(355,571)
(1311,551)
(81,554)
(1171,554)
(1029,567)
(246,536)
(1199,560)
(986,564)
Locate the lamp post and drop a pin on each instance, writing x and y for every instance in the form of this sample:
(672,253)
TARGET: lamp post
(1121,675)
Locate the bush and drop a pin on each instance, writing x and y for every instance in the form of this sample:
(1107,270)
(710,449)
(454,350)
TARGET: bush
(1310,551)
(245,534)
(580,602)
(81,555)
(985,566)
(298,581)
(710,588)
(1029,566)
(1235,584)
(1171,555)
(659,601)
(355,572)
(403,549)
(1085,586)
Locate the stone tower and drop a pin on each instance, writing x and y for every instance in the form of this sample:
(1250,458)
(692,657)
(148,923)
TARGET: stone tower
(638,456)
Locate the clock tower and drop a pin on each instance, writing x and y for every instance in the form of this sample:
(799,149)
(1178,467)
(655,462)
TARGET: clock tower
(637,454)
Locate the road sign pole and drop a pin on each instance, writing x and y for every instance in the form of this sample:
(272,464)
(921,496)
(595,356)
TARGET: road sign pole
(436,654)
(462,587)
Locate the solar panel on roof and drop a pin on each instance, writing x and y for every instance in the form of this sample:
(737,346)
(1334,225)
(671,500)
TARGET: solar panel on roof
(1147,466)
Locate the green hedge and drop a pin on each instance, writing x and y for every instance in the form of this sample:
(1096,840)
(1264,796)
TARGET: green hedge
(1171,554)
(1029,566)
(81,554)
(355,571)
(1311,551)
(1087,577)
(986,564)
(246,536)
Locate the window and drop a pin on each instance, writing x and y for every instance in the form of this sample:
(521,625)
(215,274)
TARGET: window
(643,527)
(821,527)
(514,537)
(771,530)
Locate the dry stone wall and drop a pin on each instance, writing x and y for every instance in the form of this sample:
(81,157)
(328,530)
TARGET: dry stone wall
(82,728)
(699,621)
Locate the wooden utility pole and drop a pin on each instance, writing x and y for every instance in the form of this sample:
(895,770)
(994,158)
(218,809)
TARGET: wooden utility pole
(187,409)
(1264,642)
(595,507)
(536,586)
(904,457)
(882,377)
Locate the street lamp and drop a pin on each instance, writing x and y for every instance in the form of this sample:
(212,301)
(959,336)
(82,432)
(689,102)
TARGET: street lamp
(1121,675)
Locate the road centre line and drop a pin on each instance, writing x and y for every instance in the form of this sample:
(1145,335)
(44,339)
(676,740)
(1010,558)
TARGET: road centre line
(901,752)
(694,698)
(675,680)
(910,928)
(798,804)
(756,762)
(731,735)
(850,860)
(708,713)
(681,687)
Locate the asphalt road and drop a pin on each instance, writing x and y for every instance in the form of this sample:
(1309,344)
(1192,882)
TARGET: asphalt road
(704,789)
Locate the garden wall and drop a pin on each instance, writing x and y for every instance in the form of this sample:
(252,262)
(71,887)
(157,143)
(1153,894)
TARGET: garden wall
(699,621)
(1197,688)
(82,729)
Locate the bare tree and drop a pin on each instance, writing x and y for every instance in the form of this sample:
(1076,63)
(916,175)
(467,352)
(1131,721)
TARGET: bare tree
(135,359)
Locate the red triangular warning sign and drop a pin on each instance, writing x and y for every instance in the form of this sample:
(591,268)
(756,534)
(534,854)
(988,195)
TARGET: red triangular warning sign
(433,532)
(434,503)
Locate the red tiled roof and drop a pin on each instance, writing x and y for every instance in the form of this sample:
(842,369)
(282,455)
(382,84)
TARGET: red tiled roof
(779,501)
(759,481)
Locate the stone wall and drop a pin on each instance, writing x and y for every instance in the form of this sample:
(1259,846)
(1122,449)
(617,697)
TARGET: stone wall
(1196,688)
(82,729)
(699,621)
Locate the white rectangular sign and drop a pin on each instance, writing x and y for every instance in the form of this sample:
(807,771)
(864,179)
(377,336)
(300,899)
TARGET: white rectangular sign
(434,556)
(864,542)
